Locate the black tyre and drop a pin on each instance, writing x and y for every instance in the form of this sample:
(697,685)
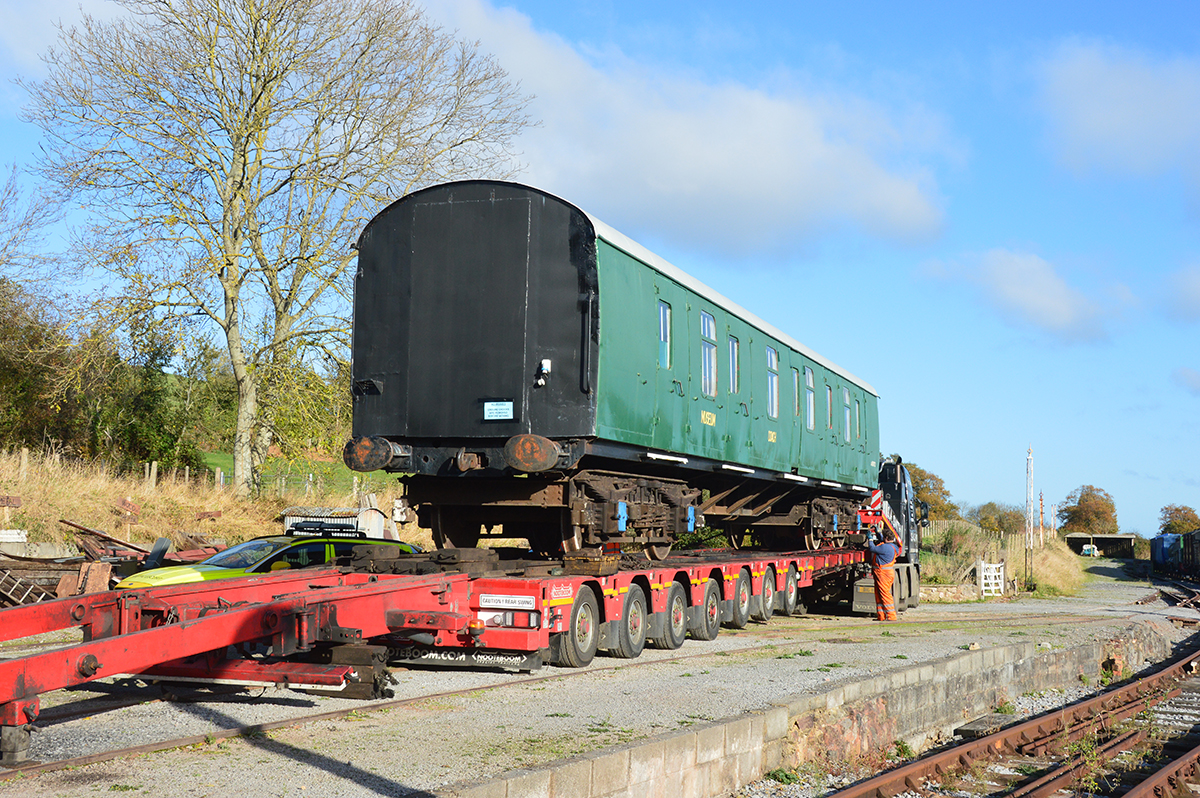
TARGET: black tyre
(767,604)
(791,592)
(631,636)
(741,601)
(675,629)
(578,644)
(912,590)
(709,625)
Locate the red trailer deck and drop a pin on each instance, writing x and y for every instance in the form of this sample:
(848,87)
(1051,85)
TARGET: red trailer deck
(337,628)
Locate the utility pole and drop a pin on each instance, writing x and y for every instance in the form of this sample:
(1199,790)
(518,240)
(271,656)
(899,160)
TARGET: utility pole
(1029,584)
(1041,520)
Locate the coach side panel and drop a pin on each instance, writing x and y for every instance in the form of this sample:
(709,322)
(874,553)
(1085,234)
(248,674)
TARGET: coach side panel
(679,373)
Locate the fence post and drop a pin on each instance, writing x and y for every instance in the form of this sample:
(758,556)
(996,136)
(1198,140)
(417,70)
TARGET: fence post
(153,473)
(24,469)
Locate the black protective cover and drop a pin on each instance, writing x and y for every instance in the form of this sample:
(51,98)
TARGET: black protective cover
(462,290)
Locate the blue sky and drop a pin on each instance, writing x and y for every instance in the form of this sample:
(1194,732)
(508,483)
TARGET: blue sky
(991,212)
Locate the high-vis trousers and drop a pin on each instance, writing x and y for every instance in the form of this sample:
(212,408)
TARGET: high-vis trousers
(885,605)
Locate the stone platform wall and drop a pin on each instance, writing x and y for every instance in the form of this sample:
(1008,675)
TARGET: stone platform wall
(919,705)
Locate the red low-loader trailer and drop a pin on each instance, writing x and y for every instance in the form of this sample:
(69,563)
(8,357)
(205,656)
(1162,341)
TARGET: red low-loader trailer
(336,629)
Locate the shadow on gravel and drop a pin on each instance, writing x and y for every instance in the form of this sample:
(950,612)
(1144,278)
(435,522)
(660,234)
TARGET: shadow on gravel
(108,697)
(334,767)
(1120,570)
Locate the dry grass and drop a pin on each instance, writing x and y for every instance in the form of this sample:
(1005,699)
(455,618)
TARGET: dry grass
(1056,569)
(950,549)
(87,493)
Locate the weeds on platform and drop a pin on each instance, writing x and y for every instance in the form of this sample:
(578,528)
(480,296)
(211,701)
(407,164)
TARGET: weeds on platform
(783,776)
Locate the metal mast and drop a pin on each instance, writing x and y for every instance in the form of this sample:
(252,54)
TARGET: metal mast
(1029,520)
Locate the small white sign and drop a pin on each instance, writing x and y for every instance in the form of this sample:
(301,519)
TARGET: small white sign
(13,536)
(498,411)
(507,602)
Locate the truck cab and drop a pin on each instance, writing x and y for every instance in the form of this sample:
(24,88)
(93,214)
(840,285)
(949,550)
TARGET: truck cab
(895,504)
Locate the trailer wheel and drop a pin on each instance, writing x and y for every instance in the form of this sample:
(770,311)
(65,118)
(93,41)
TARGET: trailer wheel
(791,591)
(741,600)
(579,642)
(710,619)
(631,637)
(767,597)
(675,629)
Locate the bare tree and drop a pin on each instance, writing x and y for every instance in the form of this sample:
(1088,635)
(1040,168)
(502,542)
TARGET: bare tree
(230,151)
(23,221)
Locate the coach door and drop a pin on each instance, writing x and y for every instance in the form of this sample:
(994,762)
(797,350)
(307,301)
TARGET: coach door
(672,385)
(812,447)
(736,391)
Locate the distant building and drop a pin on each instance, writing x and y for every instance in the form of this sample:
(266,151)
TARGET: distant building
(1119,545)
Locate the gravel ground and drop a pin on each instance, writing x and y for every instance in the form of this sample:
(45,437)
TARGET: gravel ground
(439,740)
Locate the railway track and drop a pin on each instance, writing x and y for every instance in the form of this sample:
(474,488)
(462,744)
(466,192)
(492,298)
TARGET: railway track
(757,638)
(1138,740)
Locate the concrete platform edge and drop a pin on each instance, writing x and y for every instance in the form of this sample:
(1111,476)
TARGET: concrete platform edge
(920,704)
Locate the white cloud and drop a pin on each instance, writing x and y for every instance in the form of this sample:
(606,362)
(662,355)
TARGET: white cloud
(726,165)
(1122,110)
(1026,289)
(1188,379)
(1184,293)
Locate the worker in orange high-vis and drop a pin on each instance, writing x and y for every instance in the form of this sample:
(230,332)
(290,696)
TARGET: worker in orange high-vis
(883,554)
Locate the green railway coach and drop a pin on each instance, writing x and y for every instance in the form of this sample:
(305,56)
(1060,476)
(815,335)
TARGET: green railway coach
(532,372)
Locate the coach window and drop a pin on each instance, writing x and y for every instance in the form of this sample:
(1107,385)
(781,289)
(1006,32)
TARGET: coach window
(772,383)
(857,419)
(734,371)
(846,414)
(708,354)
(796,392)
(664,334)
(810,398)
(828,407)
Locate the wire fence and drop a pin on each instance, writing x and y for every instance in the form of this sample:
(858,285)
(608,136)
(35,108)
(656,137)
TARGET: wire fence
(296,483)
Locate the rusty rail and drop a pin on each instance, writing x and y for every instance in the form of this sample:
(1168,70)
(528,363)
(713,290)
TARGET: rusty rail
(1036,735)
(1166,781)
